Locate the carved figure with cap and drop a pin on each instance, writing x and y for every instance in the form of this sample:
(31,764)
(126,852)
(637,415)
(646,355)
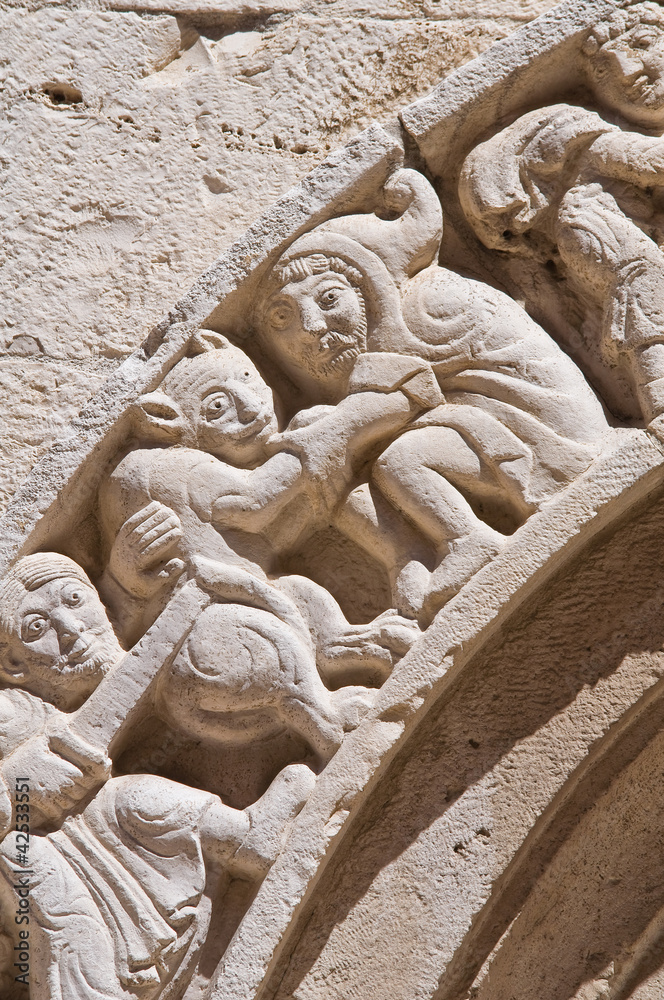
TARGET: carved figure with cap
(57,645)
(519,420)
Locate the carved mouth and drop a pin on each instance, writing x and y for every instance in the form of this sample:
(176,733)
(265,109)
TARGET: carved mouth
(89,658)
(338,348)
(84,651)
(254,428)
(333,341)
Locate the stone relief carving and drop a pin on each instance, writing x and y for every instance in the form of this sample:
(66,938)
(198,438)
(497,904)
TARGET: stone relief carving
(579,191)
(130,871)
(516,420)
(422,415)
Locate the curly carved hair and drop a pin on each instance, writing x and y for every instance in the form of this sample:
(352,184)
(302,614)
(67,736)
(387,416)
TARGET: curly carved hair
(310,264)
(632,14)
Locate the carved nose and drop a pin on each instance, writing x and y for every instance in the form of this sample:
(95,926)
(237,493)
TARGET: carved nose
(67,626)
(247,404)
(313,321)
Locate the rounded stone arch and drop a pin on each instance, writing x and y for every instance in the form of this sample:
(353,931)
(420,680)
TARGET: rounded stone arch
(430,830)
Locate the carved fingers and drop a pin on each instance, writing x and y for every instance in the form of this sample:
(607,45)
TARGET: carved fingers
(395,632)
(139,558)
(373,649)
(389,632)
(152,532)
(70,746)
(56,783)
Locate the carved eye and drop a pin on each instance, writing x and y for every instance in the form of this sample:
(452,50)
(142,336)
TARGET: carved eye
(73,596)
(642,40)
(34,627)
(216,406)
(329,298)
(281,315)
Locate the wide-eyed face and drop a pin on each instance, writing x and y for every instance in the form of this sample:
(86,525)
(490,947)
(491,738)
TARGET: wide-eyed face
(318,325)
(627,74)
(62,641)
(235,414)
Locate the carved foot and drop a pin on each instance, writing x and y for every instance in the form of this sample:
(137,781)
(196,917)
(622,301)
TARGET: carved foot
(394,632)
(271,817)
(410,588)
(466,557)
(368,651)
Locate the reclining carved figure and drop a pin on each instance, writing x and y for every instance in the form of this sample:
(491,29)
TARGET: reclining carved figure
(120,894)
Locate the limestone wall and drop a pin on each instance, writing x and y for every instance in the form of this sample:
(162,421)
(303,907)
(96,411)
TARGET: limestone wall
(139,138)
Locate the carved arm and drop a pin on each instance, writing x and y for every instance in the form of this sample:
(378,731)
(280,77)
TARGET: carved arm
(627,156)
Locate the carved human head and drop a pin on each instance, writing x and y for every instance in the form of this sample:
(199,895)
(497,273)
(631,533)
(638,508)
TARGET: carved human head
(215,401)
(625,54)
(314,317)
(55,637)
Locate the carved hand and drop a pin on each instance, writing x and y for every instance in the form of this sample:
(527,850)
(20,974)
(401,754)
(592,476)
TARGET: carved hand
(628,156)
(139,559)
(57,783)
(384,372)
(378,644)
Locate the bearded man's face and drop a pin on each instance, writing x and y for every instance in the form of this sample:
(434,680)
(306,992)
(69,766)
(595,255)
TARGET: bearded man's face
(62,641)
(317,327)
(628,74)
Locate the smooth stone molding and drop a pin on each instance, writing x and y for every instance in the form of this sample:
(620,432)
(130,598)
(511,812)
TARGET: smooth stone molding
(620,480)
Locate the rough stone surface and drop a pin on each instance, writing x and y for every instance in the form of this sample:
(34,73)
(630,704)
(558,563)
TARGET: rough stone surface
(330,622)
(138,143)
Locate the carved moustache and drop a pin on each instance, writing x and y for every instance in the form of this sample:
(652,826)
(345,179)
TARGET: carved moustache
(99,652)
(338,344)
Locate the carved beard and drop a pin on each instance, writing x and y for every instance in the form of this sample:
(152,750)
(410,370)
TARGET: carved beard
(347,347)
(104,654)
(96,665)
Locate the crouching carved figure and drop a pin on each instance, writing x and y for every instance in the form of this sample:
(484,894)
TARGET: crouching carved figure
(243,492)
(517,422)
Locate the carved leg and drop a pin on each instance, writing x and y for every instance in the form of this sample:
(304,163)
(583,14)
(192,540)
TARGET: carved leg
(423,474)
(269,820)
(385,534)
(325,735)
(349,653)
(324,732)
(242,672)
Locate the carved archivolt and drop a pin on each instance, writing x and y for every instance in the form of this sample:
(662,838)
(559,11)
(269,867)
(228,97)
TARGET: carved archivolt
(326,480)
